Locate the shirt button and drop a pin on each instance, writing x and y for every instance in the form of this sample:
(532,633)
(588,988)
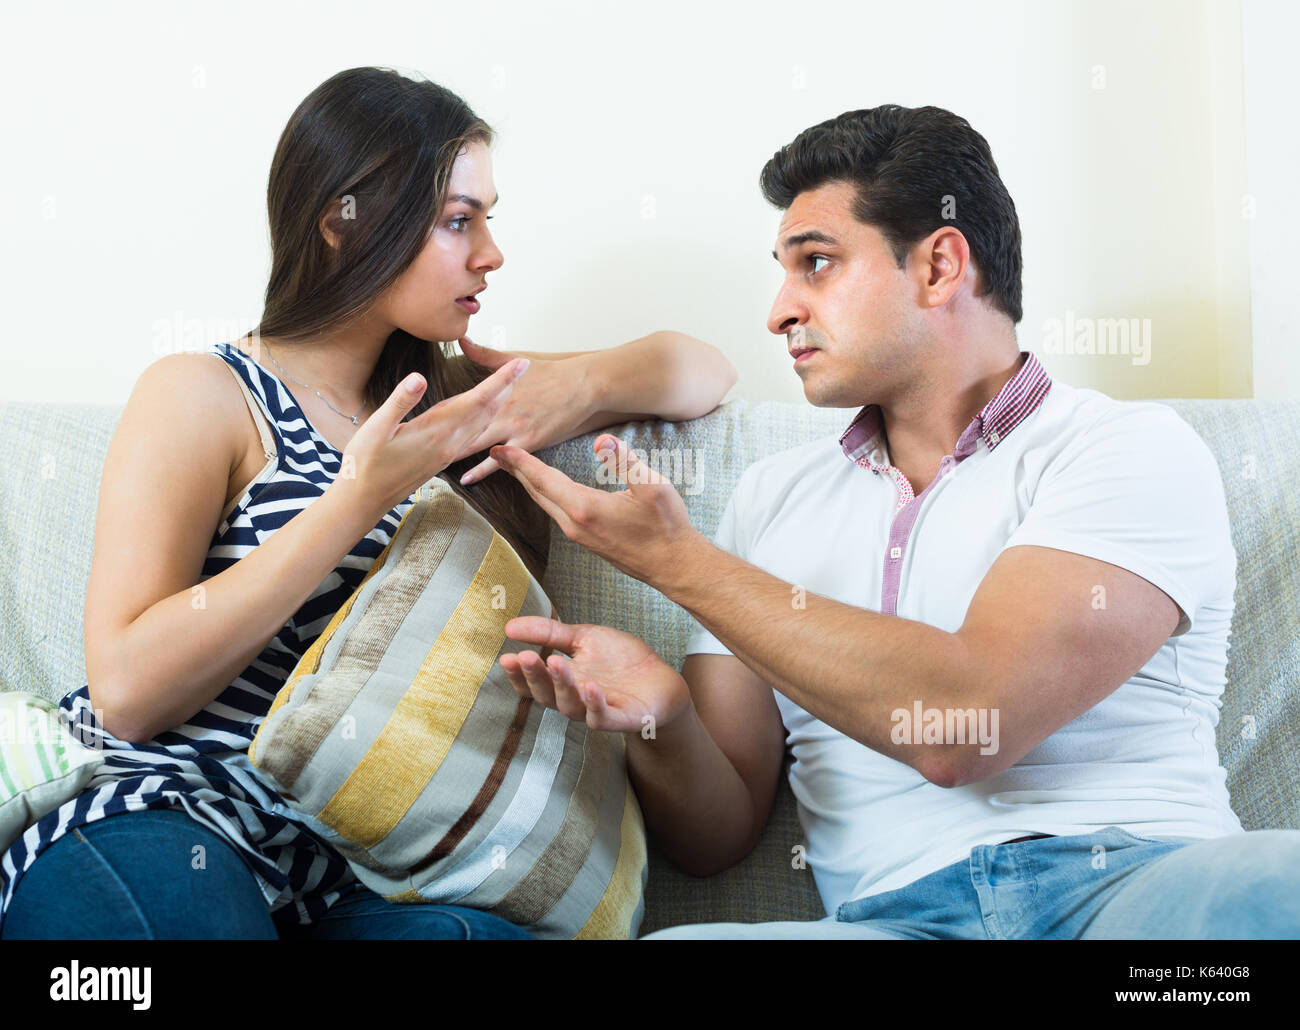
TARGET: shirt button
(993,437)
(895,552)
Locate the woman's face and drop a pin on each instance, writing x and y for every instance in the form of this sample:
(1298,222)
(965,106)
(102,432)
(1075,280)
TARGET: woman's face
(431,298)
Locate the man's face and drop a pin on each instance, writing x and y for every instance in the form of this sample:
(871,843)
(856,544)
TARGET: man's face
(845,298)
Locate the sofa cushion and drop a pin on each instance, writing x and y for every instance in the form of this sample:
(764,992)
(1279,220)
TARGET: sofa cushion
(43,763)
(401,741)
(56,453)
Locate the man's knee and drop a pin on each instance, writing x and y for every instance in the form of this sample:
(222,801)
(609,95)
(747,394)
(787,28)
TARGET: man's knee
(1246,885)
(817,929)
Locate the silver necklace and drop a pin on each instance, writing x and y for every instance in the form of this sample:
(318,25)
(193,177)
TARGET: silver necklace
(350,418)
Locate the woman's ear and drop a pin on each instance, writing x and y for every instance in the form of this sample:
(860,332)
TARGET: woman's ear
(338,209)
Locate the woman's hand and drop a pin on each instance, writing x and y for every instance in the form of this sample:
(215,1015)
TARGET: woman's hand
(387,459)
(613,680)
(550,403)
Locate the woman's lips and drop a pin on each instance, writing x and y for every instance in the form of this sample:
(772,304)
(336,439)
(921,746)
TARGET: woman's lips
(469,304)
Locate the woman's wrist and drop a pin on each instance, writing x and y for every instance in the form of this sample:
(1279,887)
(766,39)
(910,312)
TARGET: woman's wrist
(593,382)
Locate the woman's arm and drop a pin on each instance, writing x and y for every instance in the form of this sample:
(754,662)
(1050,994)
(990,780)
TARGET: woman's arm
(666,375)
(160,646)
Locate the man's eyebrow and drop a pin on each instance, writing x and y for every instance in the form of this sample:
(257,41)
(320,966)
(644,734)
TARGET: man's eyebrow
(812,236)
(474,202)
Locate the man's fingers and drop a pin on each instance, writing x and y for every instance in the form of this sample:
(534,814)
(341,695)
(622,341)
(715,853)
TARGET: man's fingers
(538,677)
(509,662)
(597,706)
(619,459)
(567,699)
(536,629)
(558,495)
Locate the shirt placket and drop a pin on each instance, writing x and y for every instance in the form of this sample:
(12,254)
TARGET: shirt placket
(1017,399)
(906,512)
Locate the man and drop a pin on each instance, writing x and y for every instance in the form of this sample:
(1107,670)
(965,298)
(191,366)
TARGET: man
(992,616)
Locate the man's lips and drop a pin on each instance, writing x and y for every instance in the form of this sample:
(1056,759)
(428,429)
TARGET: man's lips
(801,354)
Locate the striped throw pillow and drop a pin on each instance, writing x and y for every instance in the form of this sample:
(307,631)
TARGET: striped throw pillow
(42,763)
(399,739)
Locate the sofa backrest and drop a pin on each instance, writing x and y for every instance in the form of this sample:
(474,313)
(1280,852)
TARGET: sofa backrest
(49,489)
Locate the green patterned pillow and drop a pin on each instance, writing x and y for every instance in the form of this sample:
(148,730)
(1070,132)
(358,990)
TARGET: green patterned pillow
(42,764)
(400,740)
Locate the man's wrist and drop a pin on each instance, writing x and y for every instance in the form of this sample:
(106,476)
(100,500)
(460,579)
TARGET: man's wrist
(683,566)
(665,741)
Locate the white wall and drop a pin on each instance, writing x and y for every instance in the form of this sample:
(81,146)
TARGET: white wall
(137,149)
(1273,204)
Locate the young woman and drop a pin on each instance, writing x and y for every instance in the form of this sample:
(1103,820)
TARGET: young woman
(224,543)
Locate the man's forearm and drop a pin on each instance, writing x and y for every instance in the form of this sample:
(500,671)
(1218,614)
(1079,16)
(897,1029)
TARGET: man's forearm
(849,667)
(695,804)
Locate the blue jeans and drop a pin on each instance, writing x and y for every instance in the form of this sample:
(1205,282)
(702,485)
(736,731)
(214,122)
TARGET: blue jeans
(130,876)
(1104,885)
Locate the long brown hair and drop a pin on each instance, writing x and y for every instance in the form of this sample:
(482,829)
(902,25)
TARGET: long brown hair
(388,142)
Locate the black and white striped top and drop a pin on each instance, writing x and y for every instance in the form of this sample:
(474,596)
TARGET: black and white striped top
(203,765)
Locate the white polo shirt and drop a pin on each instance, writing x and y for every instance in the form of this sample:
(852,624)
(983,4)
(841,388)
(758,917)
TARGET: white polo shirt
(1047,464)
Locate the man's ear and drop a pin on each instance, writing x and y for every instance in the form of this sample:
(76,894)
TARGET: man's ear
(944,263)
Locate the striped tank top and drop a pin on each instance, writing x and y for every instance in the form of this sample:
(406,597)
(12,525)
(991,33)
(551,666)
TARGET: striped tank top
(202,766)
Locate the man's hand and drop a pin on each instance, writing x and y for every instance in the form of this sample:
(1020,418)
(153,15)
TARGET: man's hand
(612,680)
(550,402)
(644,530)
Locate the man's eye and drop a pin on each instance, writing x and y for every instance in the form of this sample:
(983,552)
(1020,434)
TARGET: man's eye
(813,261)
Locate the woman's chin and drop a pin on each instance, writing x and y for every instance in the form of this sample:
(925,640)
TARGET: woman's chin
(446,331)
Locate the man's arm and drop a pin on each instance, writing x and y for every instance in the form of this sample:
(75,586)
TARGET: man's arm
(706,782)
(704,746)
(1035,647)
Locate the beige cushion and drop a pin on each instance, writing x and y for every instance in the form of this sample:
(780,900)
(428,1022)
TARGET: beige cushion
(401,741)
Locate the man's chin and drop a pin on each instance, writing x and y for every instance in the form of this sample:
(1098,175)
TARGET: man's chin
(822,398)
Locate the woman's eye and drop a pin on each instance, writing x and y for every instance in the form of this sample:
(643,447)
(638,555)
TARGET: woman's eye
(813,261)
(457,224)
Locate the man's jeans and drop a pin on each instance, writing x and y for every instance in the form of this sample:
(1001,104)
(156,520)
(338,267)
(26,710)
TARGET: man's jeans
(131,876)
(1104,885)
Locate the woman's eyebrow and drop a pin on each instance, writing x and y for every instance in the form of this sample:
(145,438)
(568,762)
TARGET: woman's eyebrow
(474,202)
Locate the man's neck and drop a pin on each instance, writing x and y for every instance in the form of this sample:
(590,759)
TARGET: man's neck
(922,430)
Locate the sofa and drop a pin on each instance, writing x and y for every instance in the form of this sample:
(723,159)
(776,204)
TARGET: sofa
(49,489)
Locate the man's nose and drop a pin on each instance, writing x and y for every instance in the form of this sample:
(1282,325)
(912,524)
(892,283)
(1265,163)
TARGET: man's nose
(787,312)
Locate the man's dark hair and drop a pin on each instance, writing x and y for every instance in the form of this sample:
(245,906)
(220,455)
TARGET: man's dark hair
(911,166)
